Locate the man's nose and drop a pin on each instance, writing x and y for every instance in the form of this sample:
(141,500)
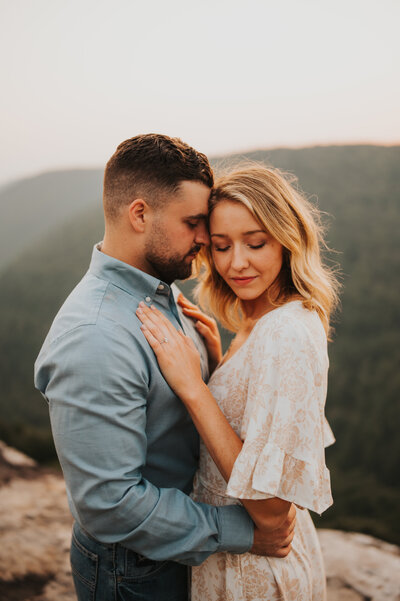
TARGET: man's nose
(202,237)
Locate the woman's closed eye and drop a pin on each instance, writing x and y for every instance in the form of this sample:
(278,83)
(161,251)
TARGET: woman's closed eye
(255,246)
(252,246)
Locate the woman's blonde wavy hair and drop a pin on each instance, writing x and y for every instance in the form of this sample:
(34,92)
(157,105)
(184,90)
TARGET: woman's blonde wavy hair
(273,199)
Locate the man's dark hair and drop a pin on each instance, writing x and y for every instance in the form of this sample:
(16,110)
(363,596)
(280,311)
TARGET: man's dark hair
(151,166)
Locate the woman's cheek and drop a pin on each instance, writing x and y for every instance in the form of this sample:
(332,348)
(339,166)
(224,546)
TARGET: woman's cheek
(219,263)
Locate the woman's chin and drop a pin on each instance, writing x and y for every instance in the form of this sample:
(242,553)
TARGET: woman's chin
(248,295)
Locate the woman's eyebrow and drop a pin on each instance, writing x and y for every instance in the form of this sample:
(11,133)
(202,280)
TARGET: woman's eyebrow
(244,233)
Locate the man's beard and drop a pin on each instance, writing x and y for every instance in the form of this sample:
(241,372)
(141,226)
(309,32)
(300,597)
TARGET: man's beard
(167,266)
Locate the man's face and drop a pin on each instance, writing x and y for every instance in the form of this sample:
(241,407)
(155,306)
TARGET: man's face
(178,231)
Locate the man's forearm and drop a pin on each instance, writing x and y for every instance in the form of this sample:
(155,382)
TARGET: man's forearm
(165,524)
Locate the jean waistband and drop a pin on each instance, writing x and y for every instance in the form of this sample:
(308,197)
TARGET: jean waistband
(114,552)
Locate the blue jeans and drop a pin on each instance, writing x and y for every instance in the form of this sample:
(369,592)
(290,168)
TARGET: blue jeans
(112,572)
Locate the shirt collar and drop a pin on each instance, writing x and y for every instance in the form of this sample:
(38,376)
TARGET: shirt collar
(124,276)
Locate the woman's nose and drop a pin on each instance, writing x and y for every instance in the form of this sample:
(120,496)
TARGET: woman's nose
(239,259)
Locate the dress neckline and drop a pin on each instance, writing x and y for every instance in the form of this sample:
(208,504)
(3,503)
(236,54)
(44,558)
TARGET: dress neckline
(222,363)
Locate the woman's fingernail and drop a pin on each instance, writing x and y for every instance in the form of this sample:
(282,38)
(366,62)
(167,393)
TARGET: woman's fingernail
(139,311)
(152,307)
(143,327)
(141,304)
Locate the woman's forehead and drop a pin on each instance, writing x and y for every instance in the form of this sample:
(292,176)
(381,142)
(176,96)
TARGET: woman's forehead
(228,216)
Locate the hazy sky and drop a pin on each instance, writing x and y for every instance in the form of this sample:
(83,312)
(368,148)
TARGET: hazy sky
(79,76)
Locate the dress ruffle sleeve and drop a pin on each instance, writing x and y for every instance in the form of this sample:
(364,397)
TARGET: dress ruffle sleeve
(284,427)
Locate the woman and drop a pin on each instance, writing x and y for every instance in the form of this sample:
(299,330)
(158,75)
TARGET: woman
(261,420)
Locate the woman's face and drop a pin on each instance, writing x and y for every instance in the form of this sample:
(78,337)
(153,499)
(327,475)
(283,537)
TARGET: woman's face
(247,257)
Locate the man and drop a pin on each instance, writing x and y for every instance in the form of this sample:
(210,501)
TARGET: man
(126,444)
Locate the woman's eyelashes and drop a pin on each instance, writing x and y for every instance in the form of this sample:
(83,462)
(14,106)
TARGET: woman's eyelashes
(252,246)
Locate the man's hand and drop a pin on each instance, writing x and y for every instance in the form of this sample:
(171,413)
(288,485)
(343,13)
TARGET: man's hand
(275,543)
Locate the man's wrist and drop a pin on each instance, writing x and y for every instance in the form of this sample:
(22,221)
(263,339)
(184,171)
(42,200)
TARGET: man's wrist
(236,529)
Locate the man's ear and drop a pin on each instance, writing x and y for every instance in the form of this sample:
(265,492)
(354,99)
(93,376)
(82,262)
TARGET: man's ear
(138,212)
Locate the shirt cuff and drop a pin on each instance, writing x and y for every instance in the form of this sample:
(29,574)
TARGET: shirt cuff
(236,529)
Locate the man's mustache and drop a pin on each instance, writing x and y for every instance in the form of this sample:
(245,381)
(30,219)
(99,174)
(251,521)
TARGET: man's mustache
(194,250)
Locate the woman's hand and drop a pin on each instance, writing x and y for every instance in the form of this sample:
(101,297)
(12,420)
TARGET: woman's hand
(207,327)
(176,353)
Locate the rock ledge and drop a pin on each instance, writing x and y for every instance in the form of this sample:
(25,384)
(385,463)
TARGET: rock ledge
(36,530)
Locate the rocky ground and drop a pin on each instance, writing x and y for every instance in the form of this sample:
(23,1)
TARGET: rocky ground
(35,527)
(360,567)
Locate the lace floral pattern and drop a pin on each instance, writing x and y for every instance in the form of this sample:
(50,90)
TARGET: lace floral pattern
(272,391)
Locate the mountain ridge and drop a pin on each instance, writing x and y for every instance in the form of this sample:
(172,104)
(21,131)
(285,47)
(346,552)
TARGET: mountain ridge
(30,208)
(43,201)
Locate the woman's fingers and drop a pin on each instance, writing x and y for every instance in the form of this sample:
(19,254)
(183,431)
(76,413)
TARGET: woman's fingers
(154,329)
(159,328)
(187,305)
(183,301)
(196,313)
(176,354)
(199,315)
(159,317)
(155,344)
(155,316)
(204,329)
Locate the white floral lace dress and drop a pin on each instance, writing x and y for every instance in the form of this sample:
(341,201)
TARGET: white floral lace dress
(272,391)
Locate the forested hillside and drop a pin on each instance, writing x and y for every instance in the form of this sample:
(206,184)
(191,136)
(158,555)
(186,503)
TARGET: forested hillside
(33,207)
(359,187)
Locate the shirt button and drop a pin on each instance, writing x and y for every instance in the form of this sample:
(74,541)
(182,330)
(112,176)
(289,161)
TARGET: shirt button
(147,299)
(161,287)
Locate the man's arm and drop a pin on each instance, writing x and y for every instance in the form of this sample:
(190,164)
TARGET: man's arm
(98,416)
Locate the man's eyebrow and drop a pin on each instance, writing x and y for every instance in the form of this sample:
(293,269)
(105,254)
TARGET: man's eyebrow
(198,216)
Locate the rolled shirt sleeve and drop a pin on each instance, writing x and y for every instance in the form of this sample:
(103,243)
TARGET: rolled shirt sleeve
(97,390)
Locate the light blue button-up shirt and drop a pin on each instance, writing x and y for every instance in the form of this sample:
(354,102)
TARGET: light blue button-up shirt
(126,444)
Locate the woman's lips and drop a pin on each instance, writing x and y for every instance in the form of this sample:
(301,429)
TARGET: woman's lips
(243,281)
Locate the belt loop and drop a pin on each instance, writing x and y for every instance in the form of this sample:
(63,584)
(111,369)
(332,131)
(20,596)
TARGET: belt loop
(119,559)
(115,557)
